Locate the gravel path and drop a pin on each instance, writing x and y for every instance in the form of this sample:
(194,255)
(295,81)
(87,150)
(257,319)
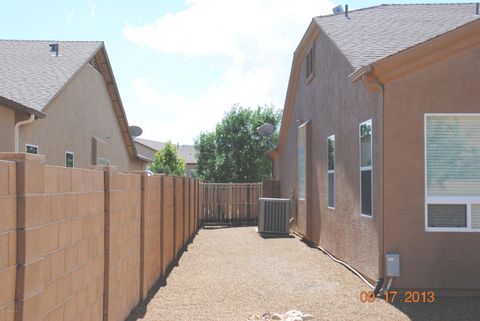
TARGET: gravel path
(232,273)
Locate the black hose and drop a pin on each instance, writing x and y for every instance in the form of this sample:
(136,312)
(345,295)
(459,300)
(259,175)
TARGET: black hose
(378,286)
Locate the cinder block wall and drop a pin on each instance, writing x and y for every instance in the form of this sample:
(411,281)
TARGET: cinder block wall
(123,213)
(72,207)
(81,244)
(8,239)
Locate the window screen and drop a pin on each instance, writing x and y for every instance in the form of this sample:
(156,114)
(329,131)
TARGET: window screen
(452,161)
(447,215)
(310,62)
(31,149)
(475,215)
(365,132)
(69,159)
(453,154)
(331,170)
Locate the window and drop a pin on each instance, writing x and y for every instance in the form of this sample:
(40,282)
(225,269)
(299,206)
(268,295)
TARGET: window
(310,63)
(452,172)
(69,159)
(31,149)
(366,167)
(331,171)
(102,161)
(302,172)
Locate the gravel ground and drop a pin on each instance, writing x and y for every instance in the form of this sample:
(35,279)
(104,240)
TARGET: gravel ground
(231,274)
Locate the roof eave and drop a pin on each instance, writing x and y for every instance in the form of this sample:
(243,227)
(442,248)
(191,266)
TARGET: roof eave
(20,107)
(423,54)
(357,74)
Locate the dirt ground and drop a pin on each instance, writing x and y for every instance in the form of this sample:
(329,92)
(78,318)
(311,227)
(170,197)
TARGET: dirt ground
(230,274)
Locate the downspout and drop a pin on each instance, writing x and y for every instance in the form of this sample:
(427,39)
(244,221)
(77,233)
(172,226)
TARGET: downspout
(380,169)
(365,73)
(17,131)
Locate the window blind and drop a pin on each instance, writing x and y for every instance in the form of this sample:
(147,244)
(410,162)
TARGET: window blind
(453,155)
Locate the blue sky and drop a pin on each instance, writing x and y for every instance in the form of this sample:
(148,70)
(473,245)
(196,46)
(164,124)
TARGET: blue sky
(180,64)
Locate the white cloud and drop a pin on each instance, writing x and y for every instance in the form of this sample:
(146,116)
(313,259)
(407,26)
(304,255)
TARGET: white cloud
(69,14)
(92,6)
(257,36)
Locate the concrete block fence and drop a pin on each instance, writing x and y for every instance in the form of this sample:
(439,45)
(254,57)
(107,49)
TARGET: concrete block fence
(79,244)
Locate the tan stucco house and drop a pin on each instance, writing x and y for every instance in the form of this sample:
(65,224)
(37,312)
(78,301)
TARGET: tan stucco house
(147,148)
(380,143)
(60,99)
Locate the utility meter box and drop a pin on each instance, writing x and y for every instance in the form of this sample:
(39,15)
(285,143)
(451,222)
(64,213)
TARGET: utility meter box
(392,265)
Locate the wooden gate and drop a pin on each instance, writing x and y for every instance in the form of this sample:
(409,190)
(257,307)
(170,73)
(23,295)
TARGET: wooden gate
(230,203)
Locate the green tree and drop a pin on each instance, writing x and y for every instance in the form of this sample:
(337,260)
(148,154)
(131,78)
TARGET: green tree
(167,161)
(234,152)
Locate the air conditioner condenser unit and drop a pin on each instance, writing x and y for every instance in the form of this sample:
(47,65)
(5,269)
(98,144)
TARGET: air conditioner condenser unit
(274,216)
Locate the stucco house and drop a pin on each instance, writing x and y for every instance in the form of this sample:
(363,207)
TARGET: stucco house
(380,142)
(60,99)
(147,149)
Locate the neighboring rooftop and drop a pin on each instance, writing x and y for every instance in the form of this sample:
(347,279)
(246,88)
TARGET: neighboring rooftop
(186,152)
(374,33)
(31,75)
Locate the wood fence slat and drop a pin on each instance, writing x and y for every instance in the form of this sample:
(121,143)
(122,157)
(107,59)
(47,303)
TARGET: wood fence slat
(229,203)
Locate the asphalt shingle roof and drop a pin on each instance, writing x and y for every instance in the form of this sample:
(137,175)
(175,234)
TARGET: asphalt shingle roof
(31,76)
(186,152)
(370,34)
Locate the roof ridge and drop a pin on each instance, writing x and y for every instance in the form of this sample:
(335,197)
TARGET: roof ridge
(50,40)
(360,9)
(398,4)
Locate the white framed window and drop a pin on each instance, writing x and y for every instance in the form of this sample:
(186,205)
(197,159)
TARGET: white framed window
(452,172)
(31,149)
(102,161)
(366,184)
(331,170)
(69,159)
(310,63)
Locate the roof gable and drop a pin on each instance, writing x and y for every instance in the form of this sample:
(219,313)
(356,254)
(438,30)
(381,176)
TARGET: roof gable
(378,36)
(32,77)
(374,33)
(186,152)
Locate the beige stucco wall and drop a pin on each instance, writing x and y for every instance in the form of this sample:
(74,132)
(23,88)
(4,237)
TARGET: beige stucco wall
(7,125)
(447,260)
(82,110)
(335,106)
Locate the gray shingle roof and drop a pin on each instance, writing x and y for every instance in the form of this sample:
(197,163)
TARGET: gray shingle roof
(371,34)
(186,152)
(153,144)
(31,76)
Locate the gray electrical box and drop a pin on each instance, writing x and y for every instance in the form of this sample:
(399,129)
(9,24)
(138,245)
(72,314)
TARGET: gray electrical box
(392,264)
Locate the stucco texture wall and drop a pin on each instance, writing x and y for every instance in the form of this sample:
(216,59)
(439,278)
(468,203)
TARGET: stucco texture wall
(7,124)
(82,110)
(428,259)
(337,106)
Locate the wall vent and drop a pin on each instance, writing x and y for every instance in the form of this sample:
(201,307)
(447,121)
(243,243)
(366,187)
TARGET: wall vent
(94,63)
(53,49)
(274,215)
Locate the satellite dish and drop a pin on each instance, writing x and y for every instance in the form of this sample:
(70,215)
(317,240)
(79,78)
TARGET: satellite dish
(338,9)
(265,130)
(135,131)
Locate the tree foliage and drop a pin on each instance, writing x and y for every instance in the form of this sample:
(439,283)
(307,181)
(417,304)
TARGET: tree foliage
(167,161)
(234,152)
